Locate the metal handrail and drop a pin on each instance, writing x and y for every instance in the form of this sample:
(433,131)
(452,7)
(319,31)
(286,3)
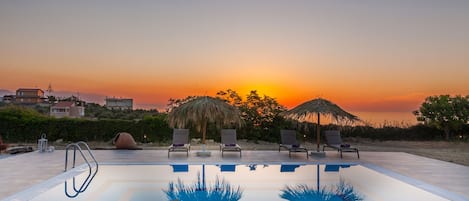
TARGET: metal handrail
(76,146)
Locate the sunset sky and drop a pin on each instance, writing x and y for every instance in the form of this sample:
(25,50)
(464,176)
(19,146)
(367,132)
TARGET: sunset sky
(365,55)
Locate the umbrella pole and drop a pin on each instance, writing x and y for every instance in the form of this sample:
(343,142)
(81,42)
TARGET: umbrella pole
(204,151)
(318,132)
(204,131)
(318,153)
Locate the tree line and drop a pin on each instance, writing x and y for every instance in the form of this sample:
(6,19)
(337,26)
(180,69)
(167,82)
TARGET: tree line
(262,116)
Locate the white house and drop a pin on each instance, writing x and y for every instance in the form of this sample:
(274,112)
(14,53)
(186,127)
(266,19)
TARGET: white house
(119,103)
(67,109)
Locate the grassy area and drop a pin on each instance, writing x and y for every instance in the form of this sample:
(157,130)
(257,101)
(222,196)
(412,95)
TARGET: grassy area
(455,152)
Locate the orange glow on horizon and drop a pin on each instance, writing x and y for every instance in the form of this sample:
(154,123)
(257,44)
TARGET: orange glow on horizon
(288,93)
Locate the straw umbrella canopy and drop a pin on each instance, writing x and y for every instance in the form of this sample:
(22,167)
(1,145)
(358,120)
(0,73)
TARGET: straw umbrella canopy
(309,110)
(203,110)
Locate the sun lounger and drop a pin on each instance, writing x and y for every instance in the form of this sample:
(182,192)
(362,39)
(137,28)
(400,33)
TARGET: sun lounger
(289,142)
(228,141)
(333,140)
(180,141)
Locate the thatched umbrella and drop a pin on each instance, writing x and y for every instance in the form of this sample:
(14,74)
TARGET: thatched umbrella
(307,111)
(203,110)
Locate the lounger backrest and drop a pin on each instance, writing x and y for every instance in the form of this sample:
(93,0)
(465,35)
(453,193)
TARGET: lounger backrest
(181,136)
(288,137)
(228,136)
(333,137)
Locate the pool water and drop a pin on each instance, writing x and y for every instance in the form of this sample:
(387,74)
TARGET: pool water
(228,182)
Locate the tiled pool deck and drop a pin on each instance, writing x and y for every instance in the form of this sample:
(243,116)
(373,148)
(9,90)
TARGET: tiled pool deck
(22,171)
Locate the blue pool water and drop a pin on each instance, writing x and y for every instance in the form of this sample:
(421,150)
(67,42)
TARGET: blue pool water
(226,182)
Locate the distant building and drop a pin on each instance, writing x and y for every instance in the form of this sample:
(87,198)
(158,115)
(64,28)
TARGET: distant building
(75,99)
(67,109)
(119,103)
(8,98)
(29,96)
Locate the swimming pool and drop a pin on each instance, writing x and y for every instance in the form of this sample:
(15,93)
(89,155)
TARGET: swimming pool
(287,181)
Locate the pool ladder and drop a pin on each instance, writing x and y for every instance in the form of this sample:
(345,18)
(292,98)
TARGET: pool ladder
(77,146)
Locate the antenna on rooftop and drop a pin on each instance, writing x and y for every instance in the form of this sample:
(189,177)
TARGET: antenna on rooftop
(49,89)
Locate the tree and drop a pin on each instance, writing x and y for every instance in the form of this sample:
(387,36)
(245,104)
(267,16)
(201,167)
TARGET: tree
(256,109)
(230,96)
(260,113)
(93,110)
(174,103)
(444,112)
(261,110)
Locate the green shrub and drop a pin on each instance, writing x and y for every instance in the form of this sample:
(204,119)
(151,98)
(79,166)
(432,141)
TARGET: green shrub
(24,125)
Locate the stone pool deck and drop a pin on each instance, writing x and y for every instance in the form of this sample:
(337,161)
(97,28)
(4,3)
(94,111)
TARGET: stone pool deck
(20,172)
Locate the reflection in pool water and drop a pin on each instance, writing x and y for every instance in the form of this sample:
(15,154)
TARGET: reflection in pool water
(340,192)
(79,186)
(243,182)
(199,191)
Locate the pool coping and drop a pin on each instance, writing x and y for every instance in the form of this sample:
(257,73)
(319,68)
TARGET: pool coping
(28,193)
(417,183)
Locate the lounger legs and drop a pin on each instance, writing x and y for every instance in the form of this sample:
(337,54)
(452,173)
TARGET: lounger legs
(348,150)
(358,154)
(224,151)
